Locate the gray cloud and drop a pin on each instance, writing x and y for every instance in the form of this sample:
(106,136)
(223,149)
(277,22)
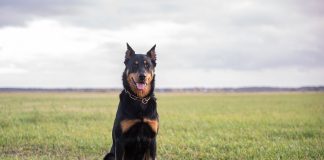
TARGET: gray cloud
(18,12)
(206,35)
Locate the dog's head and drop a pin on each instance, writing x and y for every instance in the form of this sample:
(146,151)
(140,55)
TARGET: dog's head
(139,72)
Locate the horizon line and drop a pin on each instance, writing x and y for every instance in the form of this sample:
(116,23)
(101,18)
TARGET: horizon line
(165,89)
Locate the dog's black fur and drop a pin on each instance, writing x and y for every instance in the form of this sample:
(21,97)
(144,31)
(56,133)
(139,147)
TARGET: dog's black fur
(136,123)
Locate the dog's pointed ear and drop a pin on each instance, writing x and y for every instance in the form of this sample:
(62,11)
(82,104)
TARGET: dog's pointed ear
(152,54)
(129,53)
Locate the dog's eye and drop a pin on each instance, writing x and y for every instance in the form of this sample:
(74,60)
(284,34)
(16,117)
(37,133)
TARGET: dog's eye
(146,65)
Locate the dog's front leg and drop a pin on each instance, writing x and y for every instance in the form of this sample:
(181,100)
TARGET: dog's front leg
(119,149)
(153,149)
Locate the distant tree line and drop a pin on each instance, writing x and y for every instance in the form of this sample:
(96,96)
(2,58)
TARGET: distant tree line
(194,89)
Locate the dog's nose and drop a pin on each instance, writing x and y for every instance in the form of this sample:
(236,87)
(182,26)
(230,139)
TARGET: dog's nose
(142,77)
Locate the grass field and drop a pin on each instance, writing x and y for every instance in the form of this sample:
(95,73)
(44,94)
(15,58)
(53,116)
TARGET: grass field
(192,126)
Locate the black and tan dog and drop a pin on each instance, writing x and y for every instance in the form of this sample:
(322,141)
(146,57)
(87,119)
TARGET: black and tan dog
(137,122)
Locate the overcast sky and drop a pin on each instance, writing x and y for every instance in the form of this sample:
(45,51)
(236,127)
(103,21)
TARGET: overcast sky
(223,43)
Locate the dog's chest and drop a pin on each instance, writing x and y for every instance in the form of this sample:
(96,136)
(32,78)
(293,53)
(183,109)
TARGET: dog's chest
(144,127)
(139,128)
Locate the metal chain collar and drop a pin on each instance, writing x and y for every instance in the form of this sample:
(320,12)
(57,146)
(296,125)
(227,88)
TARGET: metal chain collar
(143,100)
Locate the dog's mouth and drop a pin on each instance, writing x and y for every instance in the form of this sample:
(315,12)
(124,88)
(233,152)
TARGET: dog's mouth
(139,85)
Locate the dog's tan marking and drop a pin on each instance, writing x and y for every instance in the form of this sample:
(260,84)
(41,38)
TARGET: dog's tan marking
(136,62)
(128,123)
(145,62)
(149,77)
(154,124)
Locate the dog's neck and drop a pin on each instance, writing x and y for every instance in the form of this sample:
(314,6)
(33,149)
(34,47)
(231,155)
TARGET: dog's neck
(135,98)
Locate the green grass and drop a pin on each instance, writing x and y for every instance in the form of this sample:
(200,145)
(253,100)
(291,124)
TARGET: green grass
(192,126)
